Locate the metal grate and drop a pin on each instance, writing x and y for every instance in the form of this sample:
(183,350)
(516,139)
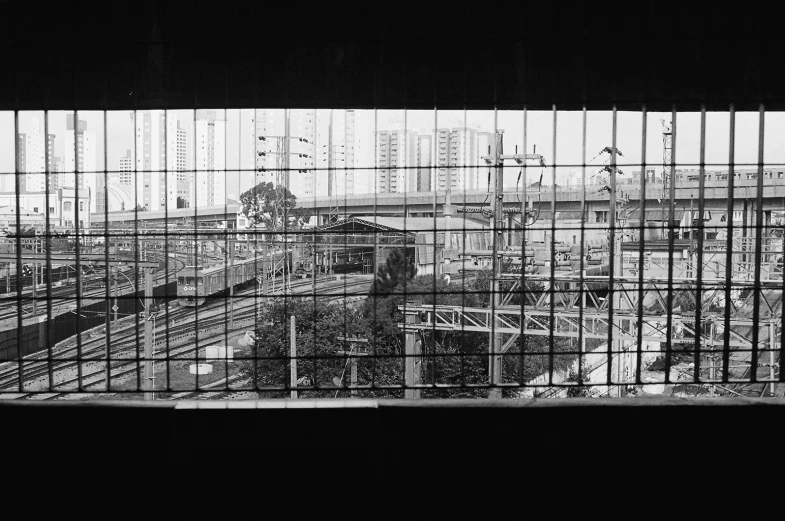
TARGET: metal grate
(372,253)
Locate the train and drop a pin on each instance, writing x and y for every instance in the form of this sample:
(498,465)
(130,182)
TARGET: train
(195,284)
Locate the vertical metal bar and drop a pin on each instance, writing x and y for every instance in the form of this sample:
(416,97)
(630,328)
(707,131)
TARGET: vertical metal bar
(612,252)
(196,243)
(729,247)
(582,265)
(374,284)
(149,395)
(671,232)
(757,293)
(48,324)
(78,260)
(293,357)
(699,282)
(413,363)
(107,307)
(552,289)
(19,302)
(522,339)
(166,237)
(445,210)
(496,214)
(641,239)
(254,170)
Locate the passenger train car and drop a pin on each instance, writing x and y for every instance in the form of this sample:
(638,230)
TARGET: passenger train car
(196,283)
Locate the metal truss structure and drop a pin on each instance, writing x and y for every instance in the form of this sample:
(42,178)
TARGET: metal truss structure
(629,322)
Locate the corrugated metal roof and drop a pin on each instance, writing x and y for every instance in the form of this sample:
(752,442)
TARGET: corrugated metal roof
(422,224)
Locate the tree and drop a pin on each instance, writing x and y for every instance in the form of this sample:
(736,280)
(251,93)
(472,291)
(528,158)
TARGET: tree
(395,270)
(318,324)
(578,391)
(270,206)
(182,202)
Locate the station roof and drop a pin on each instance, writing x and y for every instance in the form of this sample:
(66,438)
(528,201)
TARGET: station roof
(230,209)
(419,224)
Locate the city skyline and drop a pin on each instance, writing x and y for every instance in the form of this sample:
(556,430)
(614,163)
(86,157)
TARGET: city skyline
(312,179)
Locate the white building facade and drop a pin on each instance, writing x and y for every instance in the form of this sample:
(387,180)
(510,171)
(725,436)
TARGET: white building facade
(209,178)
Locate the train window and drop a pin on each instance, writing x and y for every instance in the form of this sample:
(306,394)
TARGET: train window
(181,280)
(189,281)
(199,280)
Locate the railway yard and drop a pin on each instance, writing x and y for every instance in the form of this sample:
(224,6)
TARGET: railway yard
(183,333)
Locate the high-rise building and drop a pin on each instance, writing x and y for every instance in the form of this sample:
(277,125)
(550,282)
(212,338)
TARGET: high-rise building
(335,161)
(151,159)
(80,159)
(31,160)
(285,149)
(396,160)
(21,162)
(126,169)
(457,159)
(347,187)
(424,153)
(161,161)
(54,165)
(209,181)
(176,164)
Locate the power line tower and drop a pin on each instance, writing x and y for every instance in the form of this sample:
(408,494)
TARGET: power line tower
(333,151)
(667,170)
(495,160)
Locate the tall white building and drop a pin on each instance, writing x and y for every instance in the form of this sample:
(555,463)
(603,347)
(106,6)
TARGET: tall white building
(55,166)
(422,181)
(150,159)
(176,163)
(458,159)
(126,168)
(161,161)
(285,149)
(335,153)
(209,180)
(31,158)
(396,161)
(80,159)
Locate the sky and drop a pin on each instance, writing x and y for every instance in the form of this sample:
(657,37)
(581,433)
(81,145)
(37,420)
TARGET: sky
(564,149)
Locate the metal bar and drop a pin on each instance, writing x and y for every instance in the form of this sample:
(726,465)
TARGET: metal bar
(108,317)
(149,394)
(671,233)
(641,240)
(524,219)
(612,247)
(728,266)
(496,198)
(757,293)
(552,281)
(48,323)
(701,209)
(79,288)
(19,302)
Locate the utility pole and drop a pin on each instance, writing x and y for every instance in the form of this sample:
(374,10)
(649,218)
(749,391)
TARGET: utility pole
(352,353)
(667,172)
(412,352)
(231,286)
(115,308)
(149,395)
(497,214)
(35,276)
(495,159)
(293,357)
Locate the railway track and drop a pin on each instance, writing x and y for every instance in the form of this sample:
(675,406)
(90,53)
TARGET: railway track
(126,367)
(125,341)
